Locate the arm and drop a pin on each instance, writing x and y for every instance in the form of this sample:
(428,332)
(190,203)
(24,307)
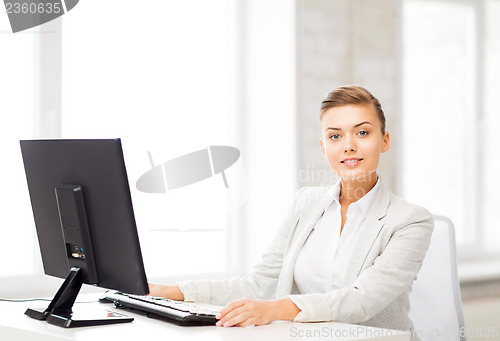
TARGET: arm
(248,312)
(242,312)
(168,291)
(389,271)
(259,284)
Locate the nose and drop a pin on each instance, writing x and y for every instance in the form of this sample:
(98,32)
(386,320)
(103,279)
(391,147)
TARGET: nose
(349,145)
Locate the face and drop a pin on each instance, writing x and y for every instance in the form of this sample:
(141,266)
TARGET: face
(352,141)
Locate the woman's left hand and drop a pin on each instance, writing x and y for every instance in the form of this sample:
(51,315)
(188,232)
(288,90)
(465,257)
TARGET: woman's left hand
(247,312)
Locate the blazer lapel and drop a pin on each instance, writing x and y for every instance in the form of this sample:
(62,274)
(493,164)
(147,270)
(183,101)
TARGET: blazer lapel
(304,228)
(313,210)
(368,233)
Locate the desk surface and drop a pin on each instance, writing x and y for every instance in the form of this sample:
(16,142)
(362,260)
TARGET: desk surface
(14,325)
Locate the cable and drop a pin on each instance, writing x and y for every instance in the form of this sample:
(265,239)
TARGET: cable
(24,300)
(36,299)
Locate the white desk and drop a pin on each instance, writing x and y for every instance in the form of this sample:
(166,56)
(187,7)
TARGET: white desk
(15,326)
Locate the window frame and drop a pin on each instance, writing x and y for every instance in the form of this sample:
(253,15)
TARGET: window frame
(47,113)
(264,92)
(471,252)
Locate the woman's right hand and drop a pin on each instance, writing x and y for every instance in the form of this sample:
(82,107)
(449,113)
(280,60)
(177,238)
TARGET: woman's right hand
(168,291)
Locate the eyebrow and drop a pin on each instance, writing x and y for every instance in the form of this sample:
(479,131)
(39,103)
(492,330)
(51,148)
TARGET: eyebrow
(357,125)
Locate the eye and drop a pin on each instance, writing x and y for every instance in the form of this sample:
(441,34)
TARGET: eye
(363,133)
(335,137)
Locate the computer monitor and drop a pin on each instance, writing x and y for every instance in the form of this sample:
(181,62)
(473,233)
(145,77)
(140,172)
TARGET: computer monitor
(84,221)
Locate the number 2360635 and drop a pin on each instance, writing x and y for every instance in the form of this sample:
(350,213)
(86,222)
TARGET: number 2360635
(32,8)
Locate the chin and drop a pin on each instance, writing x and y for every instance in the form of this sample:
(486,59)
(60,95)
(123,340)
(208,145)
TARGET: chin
(357,176)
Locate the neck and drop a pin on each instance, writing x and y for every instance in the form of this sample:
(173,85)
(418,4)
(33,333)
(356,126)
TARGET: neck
(352,190)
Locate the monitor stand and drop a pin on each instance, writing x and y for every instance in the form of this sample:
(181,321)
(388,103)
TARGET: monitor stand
(60,312)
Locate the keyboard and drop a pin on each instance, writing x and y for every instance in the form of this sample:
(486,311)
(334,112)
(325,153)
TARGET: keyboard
(179,312)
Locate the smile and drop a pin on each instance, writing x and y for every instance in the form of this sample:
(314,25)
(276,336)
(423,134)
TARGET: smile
(351,162)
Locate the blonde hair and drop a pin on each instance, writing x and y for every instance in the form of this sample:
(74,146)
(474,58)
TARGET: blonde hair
(352,94)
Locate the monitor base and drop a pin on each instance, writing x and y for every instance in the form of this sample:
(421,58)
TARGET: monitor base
(73,320)
(60,312)
(37,314)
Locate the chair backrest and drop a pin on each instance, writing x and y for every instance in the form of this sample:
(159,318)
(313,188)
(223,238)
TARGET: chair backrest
(436,305)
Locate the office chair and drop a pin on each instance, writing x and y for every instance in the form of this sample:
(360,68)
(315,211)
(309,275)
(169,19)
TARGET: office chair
(436,304)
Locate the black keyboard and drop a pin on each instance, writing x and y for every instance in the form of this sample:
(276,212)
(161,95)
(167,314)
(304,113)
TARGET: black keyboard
(182,313)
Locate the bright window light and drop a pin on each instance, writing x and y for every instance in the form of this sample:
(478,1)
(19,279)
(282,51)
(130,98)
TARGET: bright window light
(451,83)
(490,124)
(159,78)
(438,98)
(16,107)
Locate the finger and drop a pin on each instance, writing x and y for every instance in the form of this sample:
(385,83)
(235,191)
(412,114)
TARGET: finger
(223,321)
(233,317)
(230,307)
(250,322)
(236,318)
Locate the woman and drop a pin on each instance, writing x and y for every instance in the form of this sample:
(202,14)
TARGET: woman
(346,253)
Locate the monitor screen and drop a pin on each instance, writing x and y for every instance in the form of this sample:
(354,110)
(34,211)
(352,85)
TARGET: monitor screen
(83,212)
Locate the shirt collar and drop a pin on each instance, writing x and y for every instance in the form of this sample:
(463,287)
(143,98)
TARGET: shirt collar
(333,196)
(364,203)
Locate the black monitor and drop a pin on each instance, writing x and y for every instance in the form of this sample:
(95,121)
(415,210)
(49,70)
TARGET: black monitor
(84,221)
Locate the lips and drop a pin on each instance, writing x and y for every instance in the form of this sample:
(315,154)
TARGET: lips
(351,162)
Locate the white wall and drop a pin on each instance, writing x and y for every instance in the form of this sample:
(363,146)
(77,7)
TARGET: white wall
(338,43)
(267,104)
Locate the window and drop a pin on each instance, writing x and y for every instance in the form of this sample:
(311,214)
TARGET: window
(168,78)
(16,108)
(488,123)
(161,84)
(450,81)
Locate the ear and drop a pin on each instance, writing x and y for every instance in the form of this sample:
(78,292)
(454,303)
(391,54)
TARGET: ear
(386,142)
(322,147)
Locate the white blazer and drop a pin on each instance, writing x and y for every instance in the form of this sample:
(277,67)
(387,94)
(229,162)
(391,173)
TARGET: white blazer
(391,246)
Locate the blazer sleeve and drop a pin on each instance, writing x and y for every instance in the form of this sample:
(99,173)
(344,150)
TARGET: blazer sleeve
(380,283)
(259,284)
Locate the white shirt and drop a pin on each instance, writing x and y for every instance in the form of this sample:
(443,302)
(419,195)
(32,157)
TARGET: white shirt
(322,262)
